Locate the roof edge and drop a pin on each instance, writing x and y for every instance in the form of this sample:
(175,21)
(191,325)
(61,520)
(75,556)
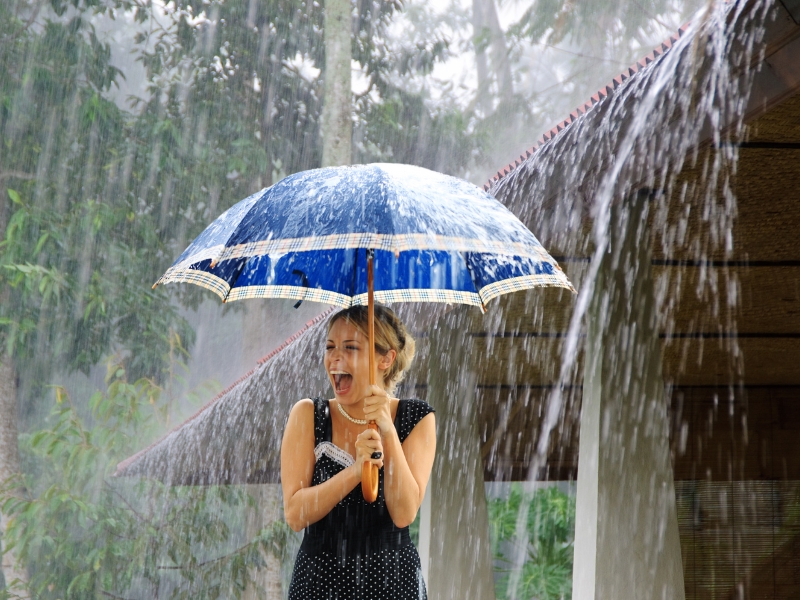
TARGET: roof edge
(600,95)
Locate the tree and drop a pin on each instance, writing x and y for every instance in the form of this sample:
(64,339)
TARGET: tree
(76,245)
(14,573)
(565,51)
(400,117)
(487,34)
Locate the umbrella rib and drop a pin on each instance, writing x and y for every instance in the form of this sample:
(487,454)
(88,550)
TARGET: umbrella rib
(235,230)
(235,278)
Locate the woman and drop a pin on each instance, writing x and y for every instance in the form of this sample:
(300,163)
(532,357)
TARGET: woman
(353,549)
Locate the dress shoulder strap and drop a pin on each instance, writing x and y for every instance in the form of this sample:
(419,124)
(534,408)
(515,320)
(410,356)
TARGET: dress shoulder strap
(322,421)
(409,413)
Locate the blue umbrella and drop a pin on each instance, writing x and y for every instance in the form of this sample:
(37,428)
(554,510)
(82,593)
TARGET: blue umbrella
(340,235)
(435,238)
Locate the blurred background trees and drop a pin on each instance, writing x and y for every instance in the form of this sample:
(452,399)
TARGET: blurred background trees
(538,527)
(127,126)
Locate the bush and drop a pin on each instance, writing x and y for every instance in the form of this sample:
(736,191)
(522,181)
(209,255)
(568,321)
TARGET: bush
(539,529)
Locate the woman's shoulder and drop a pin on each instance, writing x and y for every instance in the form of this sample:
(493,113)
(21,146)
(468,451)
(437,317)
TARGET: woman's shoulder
(304,406)
(316,411)
(316,408)
(410,412)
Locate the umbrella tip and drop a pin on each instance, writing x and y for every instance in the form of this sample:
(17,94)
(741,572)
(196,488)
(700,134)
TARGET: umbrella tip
(154,285)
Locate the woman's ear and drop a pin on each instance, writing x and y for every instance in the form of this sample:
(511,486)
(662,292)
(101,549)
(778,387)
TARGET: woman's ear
(385,360)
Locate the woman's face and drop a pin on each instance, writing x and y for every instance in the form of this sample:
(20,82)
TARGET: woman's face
(347,362)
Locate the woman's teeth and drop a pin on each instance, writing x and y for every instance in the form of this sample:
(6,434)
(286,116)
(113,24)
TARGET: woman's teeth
(341,380)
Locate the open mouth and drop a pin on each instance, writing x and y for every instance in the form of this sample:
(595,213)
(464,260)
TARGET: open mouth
(342,382)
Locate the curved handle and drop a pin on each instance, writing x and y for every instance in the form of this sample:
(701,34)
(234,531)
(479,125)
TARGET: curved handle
(369,476)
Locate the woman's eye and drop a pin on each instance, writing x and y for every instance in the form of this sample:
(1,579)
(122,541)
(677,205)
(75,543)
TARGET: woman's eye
(352,347)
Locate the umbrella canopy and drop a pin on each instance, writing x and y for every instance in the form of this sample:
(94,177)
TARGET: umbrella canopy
(435,238)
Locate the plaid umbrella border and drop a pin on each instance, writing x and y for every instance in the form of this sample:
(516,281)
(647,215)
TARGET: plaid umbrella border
(526,282)
(480,299)
(211,282)
(389,243)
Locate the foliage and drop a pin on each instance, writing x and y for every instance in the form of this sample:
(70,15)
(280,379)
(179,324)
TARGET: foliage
(78,247)
(581,46)
(84,533)
(397,118)
(79,311)
(242,85)
(553,21)
(549,524)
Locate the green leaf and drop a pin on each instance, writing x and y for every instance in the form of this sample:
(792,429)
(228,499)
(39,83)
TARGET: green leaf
(40,244)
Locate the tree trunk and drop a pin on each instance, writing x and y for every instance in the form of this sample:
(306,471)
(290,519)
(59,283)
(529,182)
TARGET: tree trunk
(483,100)
(9,459)
(337,124)
(488,35)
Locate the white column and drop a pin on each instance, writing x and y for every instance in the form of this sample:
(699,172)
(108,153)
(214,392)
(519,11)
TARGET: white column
(460,566)
(626,535)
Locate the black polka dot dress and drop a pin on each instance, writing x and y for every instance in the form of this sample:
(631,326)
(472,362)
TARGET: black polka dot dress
(356,552)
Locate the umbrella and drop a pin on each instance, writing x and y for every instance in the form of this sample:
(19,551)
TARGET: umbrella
(356,234)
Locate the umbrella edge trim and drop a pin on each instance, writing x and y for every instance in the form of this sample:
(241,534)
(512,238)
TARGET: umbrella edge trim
(525,282)
(211,282)
(481,298)
(333,298)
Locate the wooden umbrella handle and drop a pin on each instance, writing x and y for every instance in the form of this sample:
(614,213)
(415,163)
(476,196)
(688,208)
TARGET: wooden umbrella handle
(369,472)
(369,476)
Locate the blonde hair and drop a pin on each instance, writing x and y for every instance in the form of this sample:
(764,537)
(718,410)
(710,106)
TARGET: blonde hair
(390,334)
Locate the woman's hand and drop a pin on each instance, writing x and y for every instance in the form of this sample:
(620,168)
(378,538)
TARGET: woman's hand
(367,443)
(377,408)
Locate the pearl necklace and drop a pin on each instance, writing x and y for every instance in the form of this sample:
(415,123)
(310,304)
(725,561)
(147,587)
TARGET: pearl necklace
(349,418)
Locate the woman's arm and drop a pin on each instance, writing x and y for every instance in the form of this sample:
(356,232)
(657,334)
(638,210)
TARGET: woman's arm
(407,469)
(304,504)
(408,465)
